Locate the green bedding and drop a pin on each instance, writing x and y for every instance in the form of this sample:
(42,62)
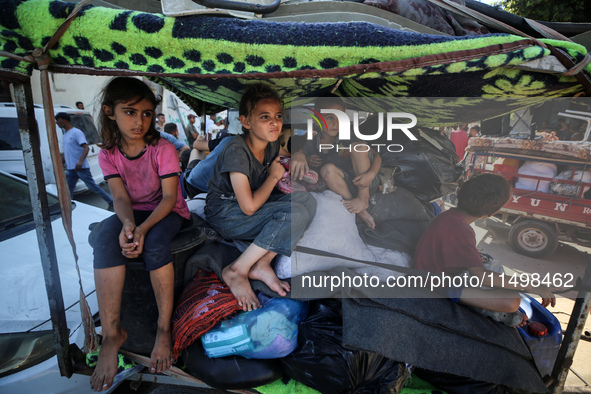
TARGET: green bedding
(206,58)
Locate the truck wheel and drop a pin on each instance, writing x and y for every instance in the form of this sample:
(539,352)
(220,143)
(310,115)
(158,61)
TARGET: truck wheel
(533,238)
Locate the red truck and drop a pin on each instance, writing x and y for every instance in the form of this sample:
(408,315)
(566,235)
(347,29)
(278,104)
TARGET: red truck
(545,206)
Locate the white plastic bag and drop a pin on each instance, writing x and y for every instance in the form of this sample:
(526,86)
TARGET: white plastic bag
(539,169)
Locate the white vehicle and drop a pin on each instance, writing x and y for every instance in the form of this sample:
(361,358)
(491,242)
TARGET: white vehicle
(28,362)
(11,154)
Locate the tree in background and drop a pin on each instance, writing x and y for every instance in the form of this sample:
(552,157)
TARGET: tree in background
(550,10)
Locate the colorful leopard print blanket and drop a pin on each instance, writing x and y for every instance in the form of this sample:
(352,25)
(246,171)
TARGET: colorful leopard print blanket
(209,59)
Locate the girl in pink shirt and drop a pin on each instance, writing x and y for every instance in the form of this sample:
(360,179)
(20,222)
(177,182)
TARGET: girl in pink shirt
(142,171)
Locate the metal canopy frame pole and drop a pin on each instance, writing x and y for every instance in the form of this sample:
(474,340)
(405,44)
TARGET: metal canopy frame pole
(203,120)
(572,335)
(29,133)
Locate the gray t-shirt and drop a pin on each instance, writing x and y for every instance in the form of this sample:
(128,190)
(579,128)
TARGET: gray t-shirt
(237,157)
(72,141)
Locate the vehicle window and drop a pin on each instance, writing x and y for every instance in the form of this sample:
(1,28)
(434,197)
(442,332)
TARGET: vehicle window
(10,138)
(15,201)
(85,123)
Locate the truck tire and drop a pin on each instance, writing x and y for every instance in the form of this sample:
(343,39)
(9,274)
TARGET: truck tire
(533,238)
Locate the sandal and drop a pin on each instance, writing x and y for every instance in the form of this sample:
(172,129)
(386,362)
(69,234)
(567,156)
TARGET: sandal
(310,177)
(286,185)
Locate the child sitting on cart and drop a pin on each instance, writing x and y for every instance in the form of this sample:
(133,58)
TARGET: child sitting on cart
(241,204)
(448,247)
(351,173)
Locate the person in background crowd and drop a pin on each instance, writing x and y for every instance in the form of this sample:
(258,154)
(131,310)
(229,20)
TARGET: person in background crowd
(75,151)
(191,129)
(79,105)
(563,132)
(209,125)
(171,133)
(200,164)
(460,139)
(160,119)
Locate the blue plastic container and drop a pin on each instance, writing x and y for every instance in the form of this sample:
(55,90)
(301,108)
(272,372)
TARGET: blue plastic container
(543,349)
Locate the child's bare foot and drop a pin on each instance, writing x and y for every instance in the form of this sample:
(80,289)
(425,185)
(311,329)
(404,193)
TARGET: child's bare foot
(367,219)
(262,271)
(511,319)
(523,321)
(240,288)
(355,205)
(106,366)
(161,357)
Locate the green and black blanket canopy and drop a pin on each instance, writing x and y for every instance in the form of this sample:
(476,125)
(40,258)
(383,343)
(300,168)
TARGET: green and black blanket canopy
(210,59)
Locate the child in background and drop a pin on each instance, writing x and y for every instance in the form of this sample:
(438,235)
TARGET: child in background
(142,171)
(449,246)
(241,204)
(352,174)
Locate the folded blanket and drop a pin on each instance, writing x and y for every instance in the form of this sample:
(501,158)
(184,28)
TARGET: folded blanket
(300,59)
(439,335)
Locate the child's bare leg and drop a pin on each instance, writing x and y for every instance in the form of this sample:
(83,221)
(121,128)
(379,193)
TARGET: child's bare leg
(262,271)
(361,164)
(360,160)
(109,286)
(359,203)
(354,205)
(235,276)
(163,284)
(335,180)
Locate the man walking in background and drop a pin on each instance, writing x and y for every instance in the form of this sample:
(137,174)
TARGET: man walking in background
(75,152)
(191,129)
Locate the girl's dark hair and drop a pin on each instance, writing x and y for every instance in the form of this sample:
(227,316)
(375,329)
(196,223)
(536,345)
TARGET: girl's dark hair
(253,94)
(128,90)
(484,194)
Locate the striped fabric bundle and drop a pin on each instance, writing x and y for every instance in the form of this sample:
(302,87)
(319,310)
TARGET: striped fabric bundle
(204,302)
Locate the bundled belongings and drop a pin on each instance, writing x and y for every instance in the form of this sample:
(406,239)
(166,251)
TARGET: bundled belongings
(323,363)
(438,335)
(231,372)
(267,332)
(333,231)
(428,166)
(536,169)
(204,302)
(570,190)
(400,218)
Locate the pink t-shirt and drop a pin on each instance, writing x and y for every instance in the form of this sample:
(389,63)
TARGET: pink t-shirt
(142,175)
(460,140)
(448,244)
